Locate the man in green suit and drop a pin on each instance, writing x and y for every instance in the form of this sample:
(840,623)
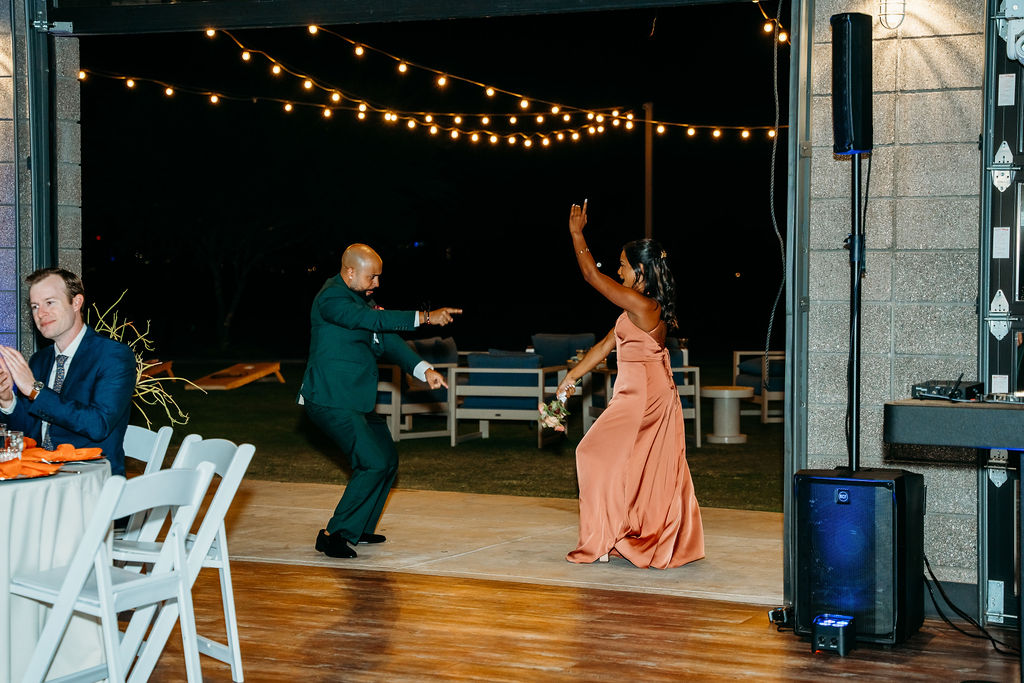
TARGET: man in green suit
(350,335)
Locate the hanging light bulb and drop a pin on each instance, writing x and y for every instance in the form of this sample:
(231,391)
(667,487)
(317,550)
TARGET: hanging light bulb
(599,118)
(615,112)
(511,139)
(600,129)
(745,134)
(771,133)
(660,129)
(361,115)
(691,131)
(615,122)
(433,130)
(210,33)
(327,113)
(783,36)
(455,135)
(402,67)
(590,116)
(485,120)
(428,118)
(540,119)
(494,139)
(555,109)
(411,124)
(214,99)
(307,84)
(560,136)
(575,135)
(313,29)
(287,106)
(276,69)
(359,50)
(716,133)
(527,142)
(457,120)
(130,83)
(335,97)
(475,137)
(81,75)
(441,81)
(524,104)
(512,120)
(629,125)
(246,56)
(566,118)
(769,26)
(362,106)
(490,92)
(545,141)
(168,91)
(591,130)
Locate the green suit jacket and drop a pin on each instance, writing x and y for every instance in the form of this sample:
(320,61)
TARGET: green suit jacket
(349,337)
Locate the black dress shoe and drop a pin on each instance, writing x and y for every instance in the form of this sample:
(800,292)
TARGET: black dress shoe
(371,538)
(333,545)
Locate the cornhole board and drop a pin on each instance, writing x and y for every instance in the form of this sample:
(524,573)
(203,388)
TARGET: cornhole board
(159,367)
(237,375)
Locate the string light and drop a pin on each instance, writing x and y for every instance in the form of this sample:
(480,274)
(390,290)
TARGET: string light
(307,84)
(474,137)
(527,142)
(566,118)
(433,130)
(629,125)
(81,75)
(455,135)
(660,129)
(783,37)
(485,120)
(288,106)
(771,133)
(130,83)
(210,33)
(457,120)
(555,109)
(490,92)
(403,67)
(615,122)
(412,123)
(512,120)
(168,91)
(313,29)
(575,135)
(441,81)
(214,99)
(246,56)
(335,97)
(494,139)
(545,141)
(716,133)
(327,113)
(361,115)
(524,104)
(691,131)
(745,134)
(276,69)
(359,51)
(540,119)
(511,139)
(428,118)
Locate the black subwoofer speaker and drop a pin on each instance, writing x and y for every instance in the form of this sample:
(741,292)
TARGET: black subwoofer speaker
(851,83)
(860,550)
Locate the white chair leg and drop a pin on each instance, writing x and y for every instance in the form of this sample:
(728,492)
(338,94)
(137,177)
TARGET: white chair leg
(227,596)
(46,646)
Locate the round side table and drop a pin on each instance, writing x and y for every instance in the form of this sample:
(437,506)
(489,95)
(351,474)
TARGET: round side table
(727,412)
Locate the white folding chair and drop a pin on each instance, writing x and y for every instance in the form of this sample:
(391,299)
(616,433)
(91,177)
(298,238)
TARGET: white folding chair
(208,547)
(149,447)
(92,585)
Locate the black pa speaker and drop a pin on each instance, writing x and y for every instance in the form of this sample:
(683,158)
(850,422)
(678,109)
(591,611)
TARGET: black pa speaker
(860,550)
(851,83)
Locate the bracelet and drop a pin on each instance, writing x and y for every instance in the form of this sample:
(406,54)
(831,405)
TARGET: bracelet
(584,250)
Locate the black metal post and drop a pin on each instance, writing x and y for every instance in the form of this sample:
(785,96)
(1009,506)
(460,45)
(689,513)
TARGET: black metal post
(855,243)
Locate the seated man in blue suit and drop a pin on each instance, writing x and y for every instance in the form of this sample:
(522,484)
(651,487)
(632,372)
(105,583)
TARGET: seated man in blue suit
(77,390)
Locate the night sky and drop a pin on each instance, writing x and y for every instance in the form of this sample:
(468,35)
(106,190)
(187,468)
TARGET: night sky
(173,187)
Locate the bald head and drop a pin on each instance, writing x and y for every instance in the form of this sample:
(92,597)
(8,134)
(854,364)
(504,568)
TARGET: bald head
(361,267)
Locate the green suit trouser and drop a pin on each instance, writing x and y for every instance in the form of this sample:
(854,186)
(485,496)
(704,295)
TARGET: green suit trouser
(365,439)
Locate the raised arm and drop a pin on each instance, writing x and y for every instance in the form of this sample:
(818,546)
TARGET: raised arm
(642,310)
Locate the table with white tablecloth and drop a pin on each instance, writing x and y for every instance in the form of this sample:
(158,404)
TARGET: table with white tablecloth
(41,523)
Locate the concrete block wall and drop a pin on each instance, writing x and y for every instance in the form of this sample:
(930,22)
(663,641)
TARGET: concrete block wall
(918,310)
(16,257)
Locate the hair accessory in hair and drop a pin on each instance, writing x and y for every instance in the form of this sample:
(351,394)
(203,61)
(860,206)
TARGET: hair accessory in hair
(663,254)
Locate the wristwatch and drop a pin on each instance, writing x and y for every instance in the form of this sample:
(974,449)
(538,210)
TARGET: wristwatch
(37,386)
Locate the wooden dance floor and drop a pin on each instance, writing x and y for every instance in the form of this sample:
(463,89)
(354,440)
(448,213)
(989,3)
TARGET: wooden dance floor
(302,623)
(472,587)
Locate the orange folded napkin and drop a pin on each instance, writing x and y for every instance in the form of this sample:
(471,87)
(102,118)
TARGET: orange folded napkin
(63,453)
(15,468)
(29,442)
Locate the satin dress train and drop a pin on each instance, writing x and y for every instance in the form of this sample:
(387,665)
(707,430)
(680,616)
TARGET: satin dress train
(636,495)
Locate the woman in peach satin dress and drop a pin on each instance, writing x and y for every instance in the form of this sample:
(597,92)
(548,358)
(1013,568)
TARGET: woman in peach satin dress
(636,495)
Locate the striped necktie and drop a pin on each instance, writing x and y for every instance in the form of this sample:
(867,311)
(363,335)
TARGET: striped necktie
(58,382)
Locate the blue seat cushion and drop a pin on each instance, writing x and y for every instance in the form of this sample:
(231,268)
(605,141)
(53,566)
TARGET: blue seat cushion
(435,349)
(754,382)
(752,366)
(498,359)
(556,349)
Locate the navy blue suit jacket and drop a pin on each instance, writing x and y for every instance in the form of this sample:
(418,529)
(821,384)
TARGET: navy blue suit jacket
(94,404)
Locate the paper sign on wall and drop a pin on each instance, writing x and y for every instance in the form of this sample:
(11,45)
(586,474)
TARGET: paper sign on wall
(1007,90)
(1000,384)
(1000,243)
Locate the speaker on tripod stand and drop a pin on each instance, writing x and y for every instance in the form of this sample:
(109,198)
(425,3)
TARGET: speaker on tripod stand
(859,534)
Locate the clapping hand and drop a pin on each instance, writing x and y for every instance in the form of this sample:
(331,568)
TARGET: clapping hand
(577,218)
(17,369)
(6,386)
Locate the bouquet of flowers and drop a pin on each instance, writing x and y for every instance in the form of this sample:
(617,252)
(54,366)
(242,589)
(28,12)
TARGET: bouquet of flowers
(554,414)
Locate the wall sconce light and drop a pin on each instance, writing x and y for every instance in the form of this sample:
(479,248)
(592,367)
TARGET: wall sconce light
(891,13)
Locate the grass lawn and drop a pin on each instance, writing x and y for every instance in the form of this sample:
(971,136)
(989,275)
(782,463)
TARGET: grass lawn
(290,448)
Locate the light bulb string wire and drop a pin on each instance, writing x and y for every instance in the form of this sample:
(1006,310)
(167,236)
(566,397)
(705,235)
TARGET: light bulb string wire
(352,104)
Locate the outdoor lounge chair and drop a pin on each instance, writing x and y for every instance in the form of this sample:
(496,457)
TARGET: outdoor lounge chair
(401,396)
(766,375)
